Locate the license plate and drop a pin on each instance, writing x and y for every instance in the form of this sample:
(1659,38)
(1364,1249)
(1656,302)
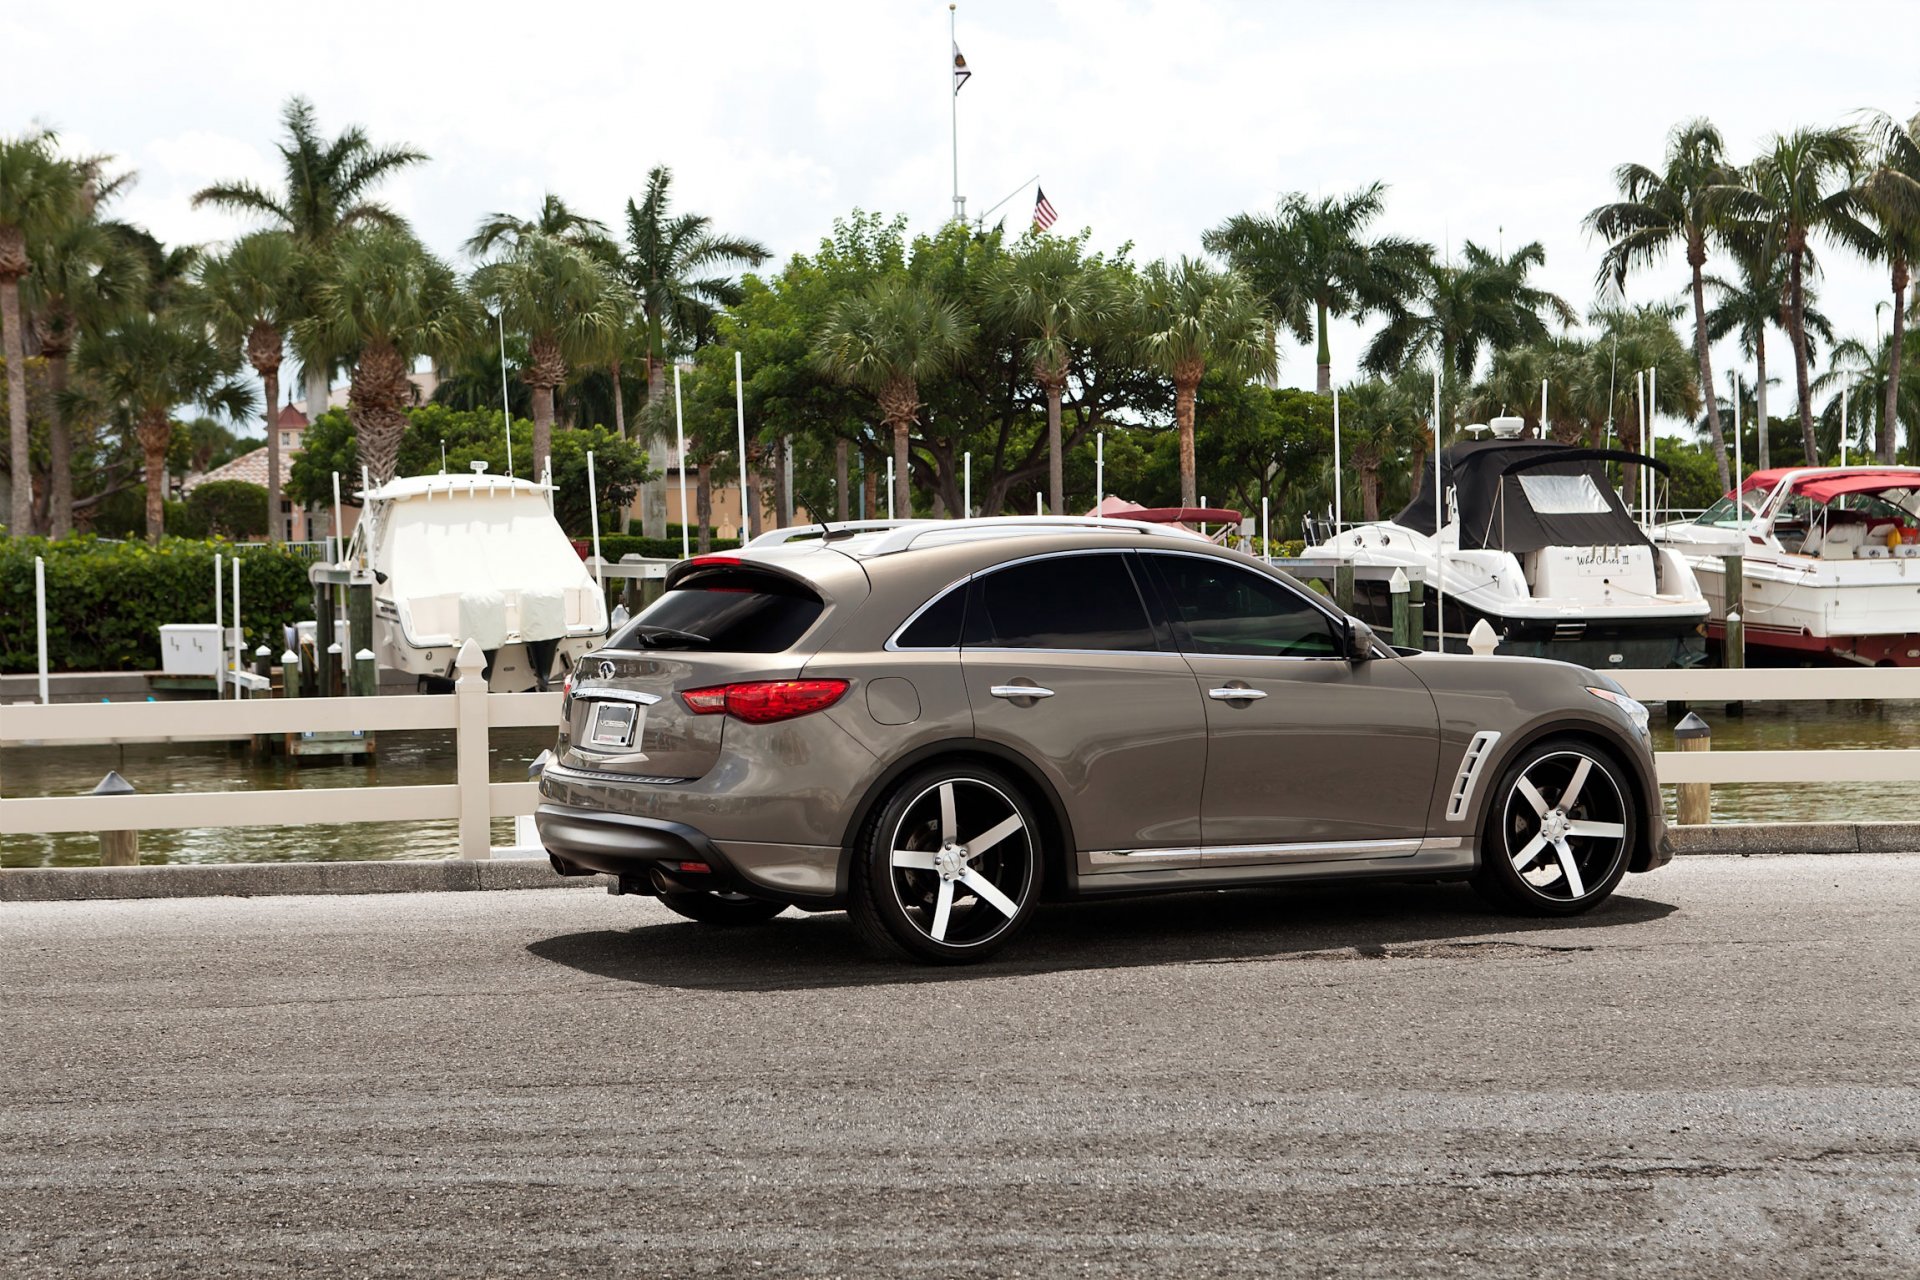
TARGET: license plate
(615,724)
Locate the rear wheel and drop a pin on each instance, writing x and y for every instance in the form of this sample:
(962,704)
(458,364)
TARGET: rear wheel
(711,907)
(1558,835)
(948,869)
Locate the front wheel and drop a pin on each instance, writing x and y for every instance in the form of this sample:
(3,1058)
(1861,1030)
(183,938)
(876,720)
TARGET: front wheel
(948,869)
(1558,835)
(709,907)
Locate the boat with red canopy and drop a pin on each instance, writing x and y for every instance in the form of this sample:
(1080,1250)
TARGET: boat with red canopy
(1830,561)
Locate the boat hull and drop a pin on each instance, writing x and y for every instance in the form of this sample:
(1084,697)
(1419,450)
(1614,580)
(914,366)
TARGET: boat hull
(1816,613)
(1605,644)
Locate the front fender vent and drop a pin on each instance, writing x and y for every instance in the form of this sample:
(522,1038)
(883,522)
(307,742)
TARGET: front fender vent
(1469,776)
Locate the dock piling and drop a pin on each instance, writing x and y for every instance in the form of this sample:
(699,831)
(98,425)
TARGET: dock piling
(1695,806)
(117,848)
(1399,587)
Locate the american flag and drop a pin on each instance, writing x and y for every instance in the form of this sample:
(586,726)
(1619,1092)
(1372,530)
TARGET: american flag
(1043,214)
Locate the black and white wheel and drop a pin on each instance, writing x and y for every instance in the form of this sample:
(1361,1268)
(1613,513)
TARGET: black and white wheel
(948,870)
(712,907)
(1559,832)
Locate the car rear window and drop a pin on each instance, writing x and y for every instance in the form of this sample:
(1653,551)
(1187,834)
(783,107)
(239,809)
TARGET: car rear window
(725,611)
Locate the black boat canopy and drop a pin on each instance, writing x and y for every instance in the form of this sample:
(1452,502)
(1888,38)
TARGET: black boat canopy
(1521,495)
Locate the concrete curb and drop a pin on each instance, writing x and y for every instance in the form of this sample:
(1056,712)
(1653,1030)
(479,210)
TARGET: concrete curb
(1798,837)
(268,879)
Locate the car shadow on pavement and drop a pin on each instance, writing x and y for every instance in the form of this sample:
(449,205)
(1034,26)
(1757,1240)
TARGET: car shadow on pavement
(1353,922)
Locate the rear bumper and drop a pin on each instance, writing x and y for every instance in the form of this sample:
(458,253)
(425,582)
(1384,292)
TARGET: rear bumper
(621,844)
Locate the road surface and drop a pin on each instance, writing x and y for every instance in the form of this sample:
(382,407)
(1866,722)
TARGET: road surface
(1718,1074)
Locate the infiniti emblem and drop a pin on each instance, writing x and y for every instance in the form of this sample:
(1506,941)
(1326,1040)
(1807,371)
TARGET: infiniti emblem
(607,669)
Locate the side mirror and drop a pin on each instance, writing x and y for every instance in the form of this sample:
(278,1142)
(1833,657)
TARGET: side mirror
(1362,645)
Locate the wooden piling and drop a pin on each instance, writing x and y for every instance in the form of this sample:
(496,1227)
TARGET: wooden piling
(117,848)
(1696,798)
(1343,587)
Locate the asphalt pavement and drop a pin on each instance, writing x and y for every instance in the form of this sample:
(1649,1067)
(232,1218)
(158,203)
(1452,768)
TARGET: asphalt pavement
(1718,1074)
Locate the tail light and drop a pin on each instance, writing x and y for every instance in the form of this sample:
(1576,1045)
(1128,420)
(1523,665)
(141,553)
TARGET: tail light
(764,701)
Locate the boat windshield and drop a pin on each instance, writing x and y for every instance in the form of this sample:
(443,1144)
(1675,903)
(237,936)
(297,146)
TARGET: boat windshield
(1727,514)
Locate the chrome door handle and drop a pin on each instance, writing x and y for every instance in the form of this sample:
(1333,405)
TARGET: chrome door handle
(1019,691)
(1235,695)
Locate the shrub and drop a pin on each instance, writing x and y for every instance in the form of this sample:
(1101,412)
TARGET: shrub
(106,601)
(227,509)
(615,545)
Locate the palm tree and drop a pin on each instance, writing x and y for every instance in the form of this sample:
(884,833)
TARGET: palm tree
(384,298)
(1376,427)
(1747,306)
(1310,260)
(1864,372)
(248,299)
(1890,197)
(1054,299)
(1195,317)
(570,306)
(38,191)
(1633,338)
(85,273)
(1486,302)
(1684,202)
(886,340)
(327,187)
(1800,187)
(682,272)
(145,365)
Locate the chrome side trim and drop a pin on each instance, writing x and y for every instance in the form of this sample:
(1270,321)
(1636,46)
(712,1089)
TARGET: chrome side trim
(1445,858)
(619,695)
(1479,750)
(1096,861)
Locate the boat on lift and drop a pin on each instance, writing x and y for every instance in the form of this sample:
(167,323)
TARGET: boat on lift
(1533,540)
(475,557)
(1830,562)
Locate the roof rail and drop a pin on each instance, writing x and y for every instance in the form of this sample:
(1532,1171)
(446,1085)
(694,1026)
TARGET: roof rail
(907,533)
(823,529)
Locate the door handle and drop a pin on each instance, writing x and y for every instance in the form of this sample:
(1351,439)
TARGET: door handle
(1019,691)
(1235,695)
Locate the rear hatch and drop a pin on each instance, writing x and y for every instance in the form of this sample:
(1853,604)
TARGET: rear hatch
(722,621)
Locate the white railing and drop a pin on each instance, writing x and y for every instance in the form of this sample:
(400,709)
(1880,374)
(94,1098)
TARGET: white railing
(1754,684)
(471,799)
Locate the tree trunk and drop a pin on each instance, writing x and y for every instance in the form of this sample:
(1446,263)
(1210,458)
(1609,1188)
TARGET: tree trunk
(59,451)
(1760,396)
(902,490)
(1799,295)
(620,405)
(543,430)
(1323,371)
(1369,493)
(1056,461)
(653,493)
(19,458)
(316,379)
(840,479)
(377,400)
(155,433)
(703,506)
(1890,412)
(1706,370)
(781,517)
(1184,389)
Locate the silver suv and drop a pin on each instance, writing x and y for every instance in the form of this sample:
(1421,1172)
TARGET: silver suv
(937,725)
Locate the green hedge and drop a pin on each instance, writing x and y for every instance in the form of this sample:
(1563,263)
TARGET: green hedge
(615,545)
(106,601)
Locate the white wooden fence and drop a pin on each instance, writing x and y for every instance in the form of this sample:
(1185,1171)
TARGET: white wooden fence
(472,713)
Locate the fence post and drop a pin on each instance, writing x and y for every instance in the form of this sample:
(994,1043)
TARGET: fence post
(470,752)
(1398,586)
(117,848)
(1483,639)
(1696,798)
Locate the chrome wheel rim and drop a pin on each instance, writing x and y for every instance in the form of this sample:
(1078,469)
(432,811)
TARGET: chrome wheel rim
(962,862)
(1564,825)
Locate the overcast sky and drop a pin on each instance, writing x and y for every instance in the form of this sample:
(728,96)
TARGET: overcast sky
(1147,122)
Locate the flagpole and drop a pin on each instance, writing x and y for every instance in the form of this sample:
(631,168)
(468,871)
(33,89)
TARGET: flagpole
(953,95)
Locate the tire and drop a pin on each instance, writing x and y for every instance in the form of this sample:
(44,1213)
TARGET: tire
(709,907)
(920,891)
(1541,857)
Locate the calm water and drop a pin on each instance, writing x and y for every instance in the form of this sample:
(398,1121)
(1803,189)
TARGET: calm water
(427,757)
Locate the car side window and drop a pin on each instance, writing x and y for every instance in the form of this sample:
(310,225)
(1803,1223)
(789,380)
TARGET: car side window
(1220,608)
(1061,602)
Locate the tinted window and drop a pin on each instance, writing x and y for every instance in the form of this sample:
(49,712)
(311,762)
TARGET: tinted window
(1222,608)
(725,612)
(939,626)
(1064,602)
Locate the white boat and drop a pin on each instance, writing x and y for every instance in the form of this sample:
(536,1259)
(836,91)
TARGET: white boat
(1537,544)
(475,557)
(1830,561)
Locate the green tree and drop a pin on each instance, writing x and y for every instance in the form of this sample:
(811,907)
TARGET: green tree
(248,298)
(38,192)
(1799,188)
(1747,305)
(1053,298)
(384,298)
(1195,317)
(569,305)
(228,509)
(885,340)
(1311,260)
(1487,302)
(682,272)
(1683,202)
(326,190)
(147,363)
(1377,425)
(1890,197)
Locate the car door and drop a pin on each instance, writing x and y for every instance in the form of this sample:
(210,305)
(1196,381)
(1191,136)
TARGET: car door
(1310,757)
(1063,665)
